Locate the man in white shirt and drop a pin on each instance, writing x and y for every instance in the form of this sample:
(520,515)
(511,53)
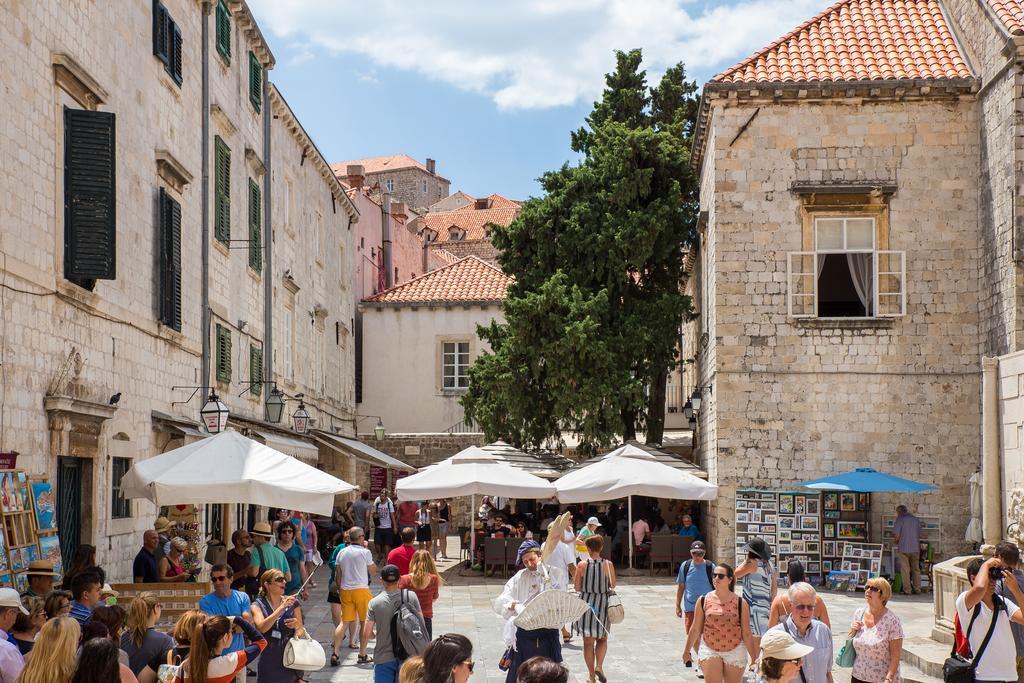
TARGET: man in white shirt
(353,567)
(998,662)
(564,557)
(11,661)
(383,524)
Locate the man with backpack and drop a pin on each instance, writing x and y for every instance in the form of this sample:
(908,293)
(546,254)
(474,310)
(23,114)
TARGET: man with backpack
(401,631)
(383,524)
(693,581)
(986,618)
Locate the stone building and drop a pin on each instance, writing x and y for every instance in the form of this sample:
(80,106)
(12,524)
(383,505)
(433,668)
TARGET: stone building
(855,257)
(405,179)
(420,340)
(124,302)
(465,230)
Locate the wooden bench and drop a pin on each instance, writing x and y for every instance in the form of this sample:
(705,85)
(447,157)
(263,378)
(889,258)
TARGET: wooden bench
(175,598)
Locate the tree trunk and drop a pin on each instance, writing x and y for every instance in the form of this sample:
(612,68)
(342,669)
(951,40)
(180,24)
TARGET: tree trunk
(628,425)
(656,409)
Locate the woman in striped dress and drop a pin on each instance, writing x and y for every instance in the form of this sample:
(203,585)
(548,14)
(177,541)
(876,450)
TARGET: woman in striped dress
(759,585)
(594,580)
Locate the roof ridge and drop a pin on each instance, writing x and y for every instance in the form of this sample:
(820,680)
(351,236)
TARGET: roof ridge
(433,273)
(799,29)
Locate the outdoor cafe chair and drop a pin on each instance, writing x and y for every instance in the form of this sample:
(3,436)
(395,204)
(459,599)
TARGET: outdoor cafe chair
(494,553)
(661,551)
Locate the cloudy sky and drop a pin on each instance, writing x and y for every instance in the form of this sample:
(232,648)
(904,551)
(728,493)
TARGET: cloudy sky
(491,90)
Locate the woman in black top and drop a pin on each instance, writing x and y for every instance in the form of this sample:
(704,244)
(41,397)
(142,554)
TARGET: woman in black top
(444,514)
(26,626)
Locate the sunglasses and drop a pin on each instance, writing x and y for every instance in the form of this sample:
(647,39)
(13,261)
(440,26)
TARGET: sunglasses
(870,589)
(215,579)
(279,579)
(469,665)
(804,608)
(716,575)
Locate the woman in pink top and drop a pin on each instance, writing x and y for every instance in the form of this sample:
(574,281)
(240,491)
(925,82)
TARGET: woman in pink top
(425,582)
(877,637)
(721,625)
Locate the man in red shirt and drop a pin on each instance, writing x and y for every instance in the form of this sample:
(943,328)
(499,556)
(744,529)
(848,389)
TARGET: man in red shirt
(408,514)
(402,555)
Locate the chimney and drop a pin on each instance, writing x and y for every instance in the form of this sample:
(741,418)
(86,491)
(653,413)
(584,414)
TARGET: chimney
(355,173)
(431,165)
(398,210)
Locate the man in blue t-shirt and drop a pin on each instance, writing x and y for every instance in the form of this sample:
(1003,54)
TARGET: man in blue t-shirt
(224,600)
(693,581)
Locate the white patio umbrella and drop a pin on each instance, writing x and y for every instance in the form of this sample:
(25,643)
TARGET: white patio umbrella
(470,472)
(229,468)
(630,471)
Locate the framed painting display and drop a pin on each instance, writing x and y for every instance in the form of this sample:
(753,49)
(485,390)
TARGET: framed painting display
(42,500)
(851,530)
(787,521)
(847,502)
(786,504)
(49,549)
(828,530)
(831,501)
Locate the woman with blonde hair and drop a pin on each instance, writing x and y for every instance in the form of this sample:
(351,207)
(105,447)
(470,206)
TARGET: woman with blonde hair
(206,664)
(425,582)
(141,640)
(877,636)
(412,670)
(279,617)
(53,655)
(182,634)
(169,568)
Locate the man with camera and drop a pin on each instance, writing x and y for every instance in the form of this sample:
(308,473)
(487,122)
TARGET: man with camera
(1009,553)
(980,604)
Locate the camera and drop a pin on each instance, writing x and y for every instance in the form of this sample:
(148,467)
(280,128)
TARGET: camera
(995,573)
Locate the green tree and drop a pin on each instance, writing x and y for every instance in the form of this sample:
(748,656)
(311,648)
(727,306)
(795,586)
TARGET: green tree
(592,318)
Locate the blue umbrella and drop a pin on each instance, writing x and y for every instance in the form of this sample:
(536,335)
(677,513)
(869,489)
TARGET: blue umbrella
(866,480)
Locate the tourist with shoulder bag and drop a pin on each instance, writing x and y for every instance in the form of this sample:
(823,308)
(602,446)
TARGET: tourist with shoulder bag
(988,618)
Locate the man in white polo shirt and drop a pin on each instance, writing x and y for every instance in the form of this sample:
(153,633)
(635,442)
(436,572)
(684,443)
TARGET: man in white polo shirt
(352,569)
(998,661)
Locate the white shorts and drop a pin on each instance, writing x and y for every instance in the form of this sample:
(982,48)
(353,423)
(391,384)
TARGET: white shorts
(736,657)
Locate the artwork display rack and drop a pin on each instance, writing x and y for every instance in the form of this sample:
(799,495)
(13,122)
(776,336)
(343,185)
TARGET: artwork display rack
(19,533)
(864,560)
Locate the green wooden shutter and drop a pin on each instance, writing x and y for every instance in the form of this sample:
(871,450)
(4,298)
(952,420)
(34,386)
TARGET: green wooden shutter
(255,227)
(255,81)
(161,39)
(174,57)
(170,261)
(224,31)
(255,370)
(222,190)
(90,226)
(223,354)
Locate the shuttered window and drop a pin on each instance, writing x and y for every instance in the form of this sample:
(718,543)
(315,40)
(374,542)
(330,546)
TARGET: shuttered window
(223,354)
(224,31)
(255,369)
(167,41)
(255,227)
(170,261)
(255,81)
(221,190)
(90,227)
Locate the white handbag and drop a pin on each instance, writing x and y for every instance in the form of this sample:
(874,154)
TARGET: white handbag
(304,654)
(616,611)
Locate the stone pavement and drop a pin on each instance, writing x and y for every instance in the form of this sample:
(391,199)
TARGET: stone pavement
(646,646)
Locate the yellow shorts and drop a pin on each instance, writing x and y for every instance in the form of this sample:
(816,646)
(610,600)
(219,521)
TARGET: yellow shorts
(353,602)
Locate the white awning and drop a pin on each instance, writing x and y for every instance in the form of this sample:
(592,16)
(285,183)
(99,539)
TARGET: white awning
(297,448)
(360,451)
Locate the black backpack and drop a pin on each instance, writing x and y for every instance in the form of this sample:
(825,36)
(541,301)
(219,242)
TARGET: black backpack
(686,570)
(408,630)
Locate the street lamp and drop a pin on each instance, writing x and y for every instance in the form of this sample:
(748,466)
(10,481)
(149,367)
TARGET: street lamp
(688,410)
(300,418)
(695,400)
(378,431)
(214,414)
(275,405)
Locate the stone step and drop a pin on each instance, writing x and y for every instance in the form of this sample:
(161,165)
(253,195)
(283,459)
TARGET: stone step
(911,674)
(925,655)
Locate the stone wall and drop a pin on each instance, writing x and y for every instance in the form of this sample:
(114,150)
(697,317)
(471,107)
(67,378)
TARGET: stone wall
(797,399)
(408,186)
(462,248)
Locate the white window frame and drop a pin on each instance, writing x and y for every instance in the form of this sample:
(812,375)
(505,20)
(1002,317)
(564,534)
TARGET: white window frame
(390,184)
(460,371)
(900,271)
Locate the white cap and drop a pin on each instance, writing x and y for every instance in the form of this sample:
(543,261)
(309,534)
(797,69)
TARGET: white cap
(10,598)
(780,645)
(594,520)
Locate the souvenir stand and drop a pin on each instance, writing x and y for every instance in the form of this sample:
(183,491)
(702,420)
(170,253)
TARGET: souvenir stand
(844,519)
(788,521)
(29,529)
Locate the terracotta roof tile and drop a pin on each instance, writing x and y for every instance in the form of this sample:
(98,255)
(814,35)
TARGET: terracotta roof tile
(372,165)
(1011,13)
(467,280)
(472,221)
(857,40)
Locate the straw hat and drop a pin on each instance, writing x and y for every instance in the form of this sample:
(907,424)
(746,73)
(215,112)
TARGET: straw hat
(780,645)
(162,525)
(41,568)
(555,531)
(261,529)
(107,590)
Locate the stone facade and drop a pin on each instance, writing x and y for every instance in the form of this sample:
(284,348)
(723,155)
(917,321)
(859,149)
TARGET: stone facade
(462,248)
(789,399)
(68,350)
(415,186)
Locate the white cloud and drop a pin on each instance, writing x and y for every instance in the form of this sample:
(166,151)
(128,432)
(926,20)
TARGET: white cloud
(533,54)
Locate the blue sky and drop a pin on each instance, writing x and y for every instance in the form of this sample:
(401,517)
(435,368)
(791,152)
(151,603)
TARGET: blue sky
(491,91)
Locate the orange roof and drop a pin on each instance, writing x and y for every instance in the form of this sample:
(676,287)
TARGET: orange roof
(499,202)
(473,221)
(468,280)
(373,165)
(1011,13)
(858,40)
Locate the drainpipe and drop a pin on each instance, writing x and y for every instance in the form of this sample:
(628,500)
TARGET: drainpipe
(205,247)
(991,475)
(268,252)
(385,238)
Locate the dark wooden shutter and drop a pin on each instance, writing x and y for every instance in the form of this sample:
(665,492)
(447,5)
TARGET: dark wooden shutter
(222,190)
(255,370)
(90,226)
(255,227)
(170,261)
(174,57)
(255,81)
(224,31)
(161,38)
(223,354)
